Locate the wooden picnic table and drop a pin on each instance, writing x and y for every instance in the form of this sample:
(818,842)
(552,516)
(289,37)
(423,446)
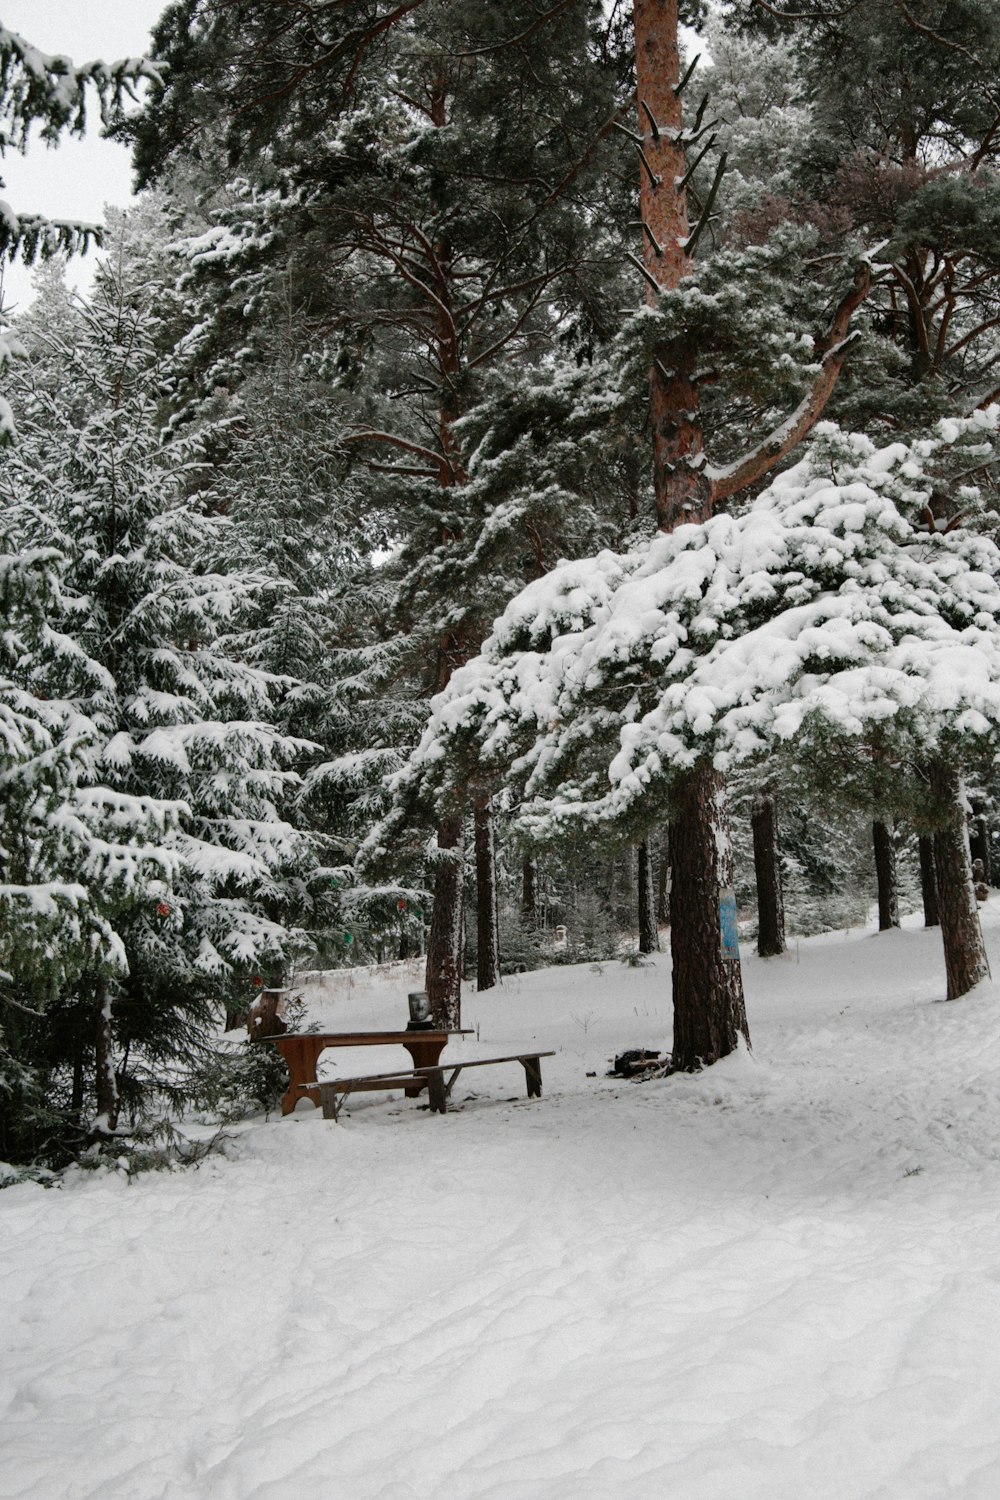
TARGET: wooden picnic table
(301,1051)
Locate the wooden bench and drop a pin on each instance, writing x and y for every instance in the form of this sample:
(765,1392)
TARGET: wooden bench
(301,1050)
(334,1092)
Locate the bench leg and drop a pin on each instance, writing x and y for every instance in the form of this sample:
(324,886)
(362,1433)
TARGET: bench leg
(436,1093)
(533,1076)
(333,1102)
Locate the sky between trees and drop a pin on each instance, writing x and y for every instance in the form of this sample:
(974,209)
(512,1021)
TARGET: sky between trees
(76,179)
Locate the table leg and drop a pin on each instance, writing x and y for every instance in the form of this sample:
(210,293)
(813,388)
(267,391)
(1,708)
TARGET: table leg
(301,1056)
(425,1054)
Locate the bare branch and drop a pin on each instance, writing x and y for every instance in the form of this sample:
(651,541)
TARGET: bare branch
(654,180)
(692,239)
(767,455)
(642,270)
(511,333)
(373,436)
(682,85)
(522,36)
(412,473)
(824,14)
(682,182)
(934,36)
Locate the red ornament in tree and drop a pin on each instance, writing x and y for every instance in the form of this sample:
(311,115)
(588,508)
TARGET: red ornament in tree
(257,982)
(162,909)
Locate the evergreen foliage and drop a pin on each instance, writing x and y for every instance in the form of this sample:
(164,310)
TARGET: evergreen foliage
(178,756)
(366,373)
(51,94)
(836,608)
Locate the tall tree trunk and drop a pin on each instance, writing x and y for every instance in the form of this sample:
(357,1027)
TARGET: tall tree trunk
(663,880)
(106,1082)
(649,939)
(965,958)
(76,1100)
(928,880)
(529,892)
(885,873)
(443,981)
(487,913)
(709,1011)
(767,868)
(445,939)
(262,1019)
(682,492)
(979,841)
(408,946)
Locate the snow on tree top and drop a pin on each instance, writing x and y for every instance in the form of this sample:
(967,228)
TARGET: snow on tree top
(831,603)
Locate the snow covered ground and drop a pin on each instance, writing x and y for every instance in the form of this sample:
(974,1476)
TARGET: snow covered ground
(777,1279)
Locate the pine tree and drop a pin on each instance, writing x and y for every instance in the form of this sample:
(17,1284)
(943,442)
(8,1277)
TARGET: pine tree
(829,616)
(902,147)
(709,1013)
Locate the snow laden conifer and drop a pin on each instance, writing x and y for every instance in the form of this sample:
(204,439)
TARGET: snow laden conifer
(178,725)
(837,613)
(313,530)
(438,247)
(75,855)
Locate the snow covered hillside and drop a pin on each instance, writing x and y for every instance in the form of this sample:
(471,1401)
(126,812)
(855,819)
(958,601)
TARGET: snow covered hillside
(779,1278)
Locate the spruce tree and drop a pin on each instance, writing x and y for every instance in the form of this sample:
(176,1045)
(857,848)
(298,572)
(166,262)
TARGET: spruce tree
(76,856)
(447,239)
(183,732)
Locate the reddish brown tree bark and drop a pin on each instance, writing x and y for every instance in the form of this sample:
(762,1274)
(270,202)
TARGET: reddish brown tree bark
(487,915)
(928,880)
(444,941)
(709,1011)
(885,873)
(767,869)
(443,975)
(965,958)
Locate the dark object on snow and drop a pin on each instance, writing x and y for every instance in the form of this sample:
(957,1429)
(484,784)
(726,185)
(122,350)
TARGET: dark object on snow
(638,1060)
(420,1011)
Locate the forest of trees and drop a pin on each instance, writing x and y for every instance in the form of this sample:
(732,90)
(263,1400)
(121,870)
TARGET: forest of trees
(520,466)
